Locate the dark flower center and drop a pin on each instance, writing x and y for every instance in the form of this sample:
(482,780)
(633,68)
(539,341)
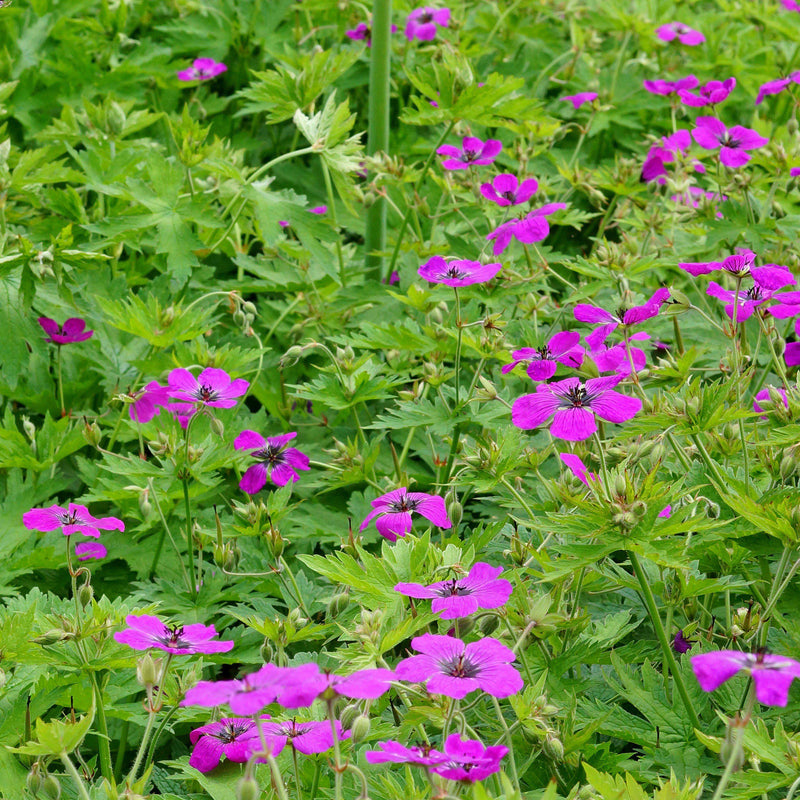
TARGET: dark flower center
(68,519)
(508,194)
(426,17)
(460,667)
(173,637)
(680,28)
(470,155)
(754,293)
(231,731)
(726,140)
(577,397)
(453,589)
(621,312)
(405,503)
(206,394)
(454,272)
(271,454)
(544,352)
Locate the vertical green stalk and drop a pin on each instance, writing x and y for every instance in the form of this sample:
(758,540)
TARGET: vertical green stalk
(458,346)
(378,127)
(188,507)
(151,718)
(75,775)
(326,173)
(60,382)
(337,753)
(509,743)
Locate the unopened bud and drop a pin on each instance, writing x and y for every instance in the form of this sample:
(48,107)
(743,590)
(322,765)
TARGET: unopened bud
(360,729)
(30,429)
(53,636)
(51,788)
(275,542)
(488,625)
(267,651)
(115,119)
(247,788)
(34,780)
(146,671)
(296,618)
(144,504)
(553,747)
(91,432)
(455,511)
(291,356)
(85,594)
(338,603)
(349,715)
(620,485)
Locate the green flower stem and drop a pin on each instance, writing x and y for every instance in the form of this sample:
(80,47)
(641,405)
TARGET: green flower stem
(776,593)
(60,381)
(603,466)
(337,752)
(776,360)
(83,792)
(165,531)
(121,750)
(288,571)
(678,450)
(713,467)
(792,789)
(151,717)
(326,174)
(378,127)
(509,743)
(666,648)
(517,496)
(448,720)
(298,787)
(459,334)
(188,508)
(277,778)
(151,751)
(733,763)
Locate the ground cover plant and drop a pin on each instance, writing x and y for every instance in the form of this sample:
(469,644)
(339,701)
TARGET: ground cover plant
(399,402)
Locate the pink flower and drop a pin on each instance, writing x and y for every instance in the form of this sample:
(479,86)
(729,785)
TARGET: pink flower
(622,316)
(87,550)
(766,281)
(397,753)
(506,190)
(305,737)
(657,157)
(202,69)
(573,407)
(448,666)
(709,94)
(212,387)
(738,264)
(794,171)
(275,460)
(421,23)
(764,395)
(472,153)
(790,5)
(366,684)
(579,99)
(776,86)
(71,332)
(666,88)
(236,739)
(616,358)
(147,402)
(460,597)
(457,272)
(75,519)
(146,631)
(711,134)
(532,228)
(469,760)
(362,32)
(562,348)
(772,675)
(393,512)
(577,468)
(683,33)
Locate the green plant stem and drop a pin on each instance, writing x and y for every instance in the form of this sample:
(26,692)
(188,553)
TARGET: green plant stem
(121,750)
(288,571)
(509,743)
(676,448)
(713,467)
(151,751)
(732,764)
(298,788)
(60,381)
(83,793)
(378,128)
(103,741)
(188,509)
(448,720)
(666,648)
(277,778)
(517,496)
(337,753)
(326,174)
(151,716)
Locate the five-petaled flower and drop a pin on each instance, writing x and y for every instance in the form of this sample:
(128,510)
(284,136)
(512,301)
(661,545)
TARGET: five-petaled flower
(457,272)
(421,23)
(733,143)
(147,401)
(708,94)
(448,666)
(666,88)
(772,675)
(305,737)
(202,69)
(468,760)
(275,460)
(766,281)
(74,519)
(236,739)
(506,190)
(625,316)
(460,597)
(573,407)
(73,330)
(472,153)
(212,387)
(562,348)
(533,227)
(776,86)
(683,33)
(392,512)
(146,631)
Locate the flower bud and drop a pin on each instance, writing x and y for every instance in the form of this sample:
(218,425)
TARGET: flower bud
(553,747)
(52,637)
(488,624)
(455,511)
(296,618)
(291,356)
(620,485)
(51,788)
(30,429)
(338,603)
(360,728)
(267,651)
(247,788)
(275,542)
(115,119)
(731,747)
(85,594)
(147,671)
(34,780)
(91,432)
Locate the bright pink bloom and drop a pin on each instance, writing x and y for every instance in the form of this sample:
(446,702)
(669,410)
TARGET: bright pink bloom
(794,171)
(202,69)
(148,401)
(397,753)
(275,460)
(145,631)
(74,519)
(534,227)
(776,86)
(457,272)
(469,760)
(87,550)
(366,684)
(658,156)
(71,332)
(622,316)
(738,264)
(448,666)
(393,512)
(472,153)
(562,348)
(772,675)
(711,134)
(683,33)
(236,739)
(708,94)
(790,5)
(319,210)
(577,468)
(579,99)
(573,407)
(363,32)
(305,737)
(212,387)
(616,358)
(421,23)
(506,190)
(666,88)
(792,352)
(460,597)
(766,281)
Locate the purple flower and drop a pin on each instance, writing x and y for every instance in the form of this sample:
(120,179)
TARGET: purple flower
(362,32)
(397,753)
(772,675)
(87,550)
(616,358)
(457,272)
(319,210)
(455,669)
(680,644)
(738,264)
(708,94)
(506,190)
(766,281)
(623,315)
(147,402)
(74,519)
(275,460)
(146,631)
(794,171)
(658,156)
(563,348)
(666,88)
(764,395)
(71,332)
(532,228)
(683,33)
(577,468)
(460,597)
(305,737)
(776,86)
(573,407)
(792,352)
(469,760)
(788,305)
(212,387)
(472,153)
(421,23)
(711,134)
(202,69)
(236,739)
(393,512)
(366,684)
(579,99)
(790,5)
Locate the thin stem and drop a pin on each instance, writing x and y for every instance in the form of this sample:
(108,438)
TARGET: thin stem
(151,717)
(75,775)
(509,743)
(332,208)
(188,509)
(734,759)
(60,381)
(337,753)
(459,334)
(151,751)
(713,467)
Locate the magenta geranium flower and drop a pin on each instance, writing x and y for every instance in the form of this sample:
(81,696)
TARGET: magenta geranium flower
(737,265)
(791,5)
(305,737)
(236,739)
(448,666)
(562,348)
(212,387)
(534,227)
(732,143)
(683,33)
(772,675)
(87,550)
(74,519)
(622,316)
(468,760)
(460,597)
(145,631)
(421,23)
(573,407)
(366,684)
(457,272)
(392,512)
(766,281)
(202,69)
(72,331)
(708,94)
(148,401)
(472,153)
(275,460)
(776,86)
(363,32)
(506,190)
(616,358)
(666,88)
(396,753)
(580,98)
